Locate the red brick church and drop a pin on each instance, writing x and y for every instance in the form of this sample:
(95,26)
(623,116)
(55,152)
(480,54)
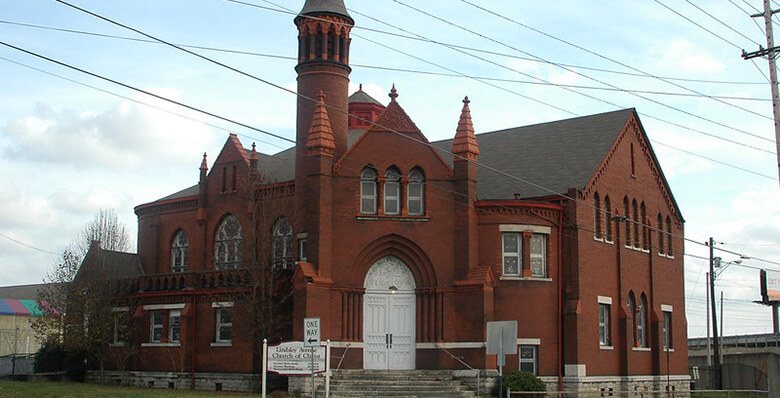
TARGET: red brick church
(405,248)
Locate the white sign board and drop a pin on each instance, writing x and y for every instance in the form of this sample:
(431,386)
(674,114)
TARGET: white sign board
(292,358)
(311,332)
(501,337)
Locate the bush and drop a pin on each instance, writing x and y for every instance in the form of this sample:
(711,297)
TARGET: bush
(56,357)
(520,381)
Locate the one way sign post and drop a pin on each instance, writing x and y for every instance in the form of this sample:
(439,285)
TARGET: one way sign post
(311,338)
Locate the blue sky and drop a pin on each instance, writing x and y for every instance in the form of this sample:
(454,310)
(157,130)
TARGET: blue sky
(67,150)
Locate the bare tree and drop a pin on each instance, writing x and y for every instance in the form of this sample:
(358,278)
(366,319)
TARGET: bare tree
(81,288)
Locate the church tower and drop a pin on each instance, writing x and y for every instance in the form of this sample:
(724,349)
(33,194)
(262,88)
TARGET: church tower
(323,66)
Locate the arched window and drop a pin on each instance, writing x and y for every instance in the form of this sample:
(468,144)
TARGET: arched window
(633,162)
(669,248)
(608,219)
(632,311)
(627,216)
(645,231)
(635,221)
(641,322)
(660,226)
(368,191)
(415,193)
(392,192)
(179,252)
(282,244)
(227,244)
(597,211)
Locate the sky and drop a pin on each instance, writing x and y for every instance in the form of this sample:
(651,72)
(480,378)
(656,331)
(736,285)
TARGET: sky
(72,144)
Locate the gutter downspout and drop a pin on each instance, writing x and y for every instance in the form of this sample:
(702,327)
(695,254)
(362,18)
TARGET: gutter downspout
(560,302)
(194,345)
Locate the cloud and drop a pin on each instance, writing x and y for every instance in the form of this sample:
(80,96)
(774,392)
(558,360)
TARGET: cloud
(683,56)
(123,137)
(20,209)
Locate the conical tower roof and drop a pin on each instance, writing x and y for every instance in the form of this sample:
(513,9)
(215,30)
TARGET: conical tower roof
(335,7)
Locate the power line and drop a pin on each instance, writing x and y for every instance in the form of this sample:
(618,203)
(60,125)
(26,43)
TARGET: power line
(721,22)
(699,25)
(422,142)
(714,160)
(29,246)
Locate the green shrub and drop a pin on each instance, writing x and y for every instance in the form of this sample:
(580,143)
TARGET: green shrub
(56,357)
(520,381)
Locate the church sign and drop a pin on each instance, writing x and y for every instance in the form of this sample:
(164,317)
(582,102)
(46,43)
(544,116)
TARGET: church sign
(292,358)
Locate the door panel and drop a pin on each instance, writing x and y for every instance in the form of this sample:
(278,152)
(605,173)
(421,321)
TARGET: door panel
(388,331)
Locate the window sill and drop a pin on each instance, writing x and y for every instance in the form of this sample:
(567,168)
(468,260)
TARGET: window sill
(160,344)
(119,344)
(521,278)
(606,347)
(668,349)
(645,349)
(222,344)
(380,217)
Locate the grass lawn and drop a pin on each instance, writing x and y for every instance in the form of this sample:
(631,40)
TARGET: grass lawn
(35,389)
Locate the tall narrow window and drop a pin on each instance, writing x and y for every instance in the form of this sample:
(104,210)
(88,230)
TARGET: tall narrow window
(179,252)
(641,324)
(224,179)
(368,191)
(667,330)
(633,162)
(156,326)
(607,219)
(235,179)
(282,244)
(627,221)
(227,244)
(528,359)
(645,230)
(513,253)
(597,211)
(174,326)
(538,255)
(121,327)
(224,323)
(669,249)
(604,332)
(635,222)
(392,192)
(660,226)
(415,193)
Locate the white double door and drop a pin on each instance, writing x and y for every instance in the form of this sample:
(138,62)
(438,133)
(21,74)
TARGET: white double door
(388,330)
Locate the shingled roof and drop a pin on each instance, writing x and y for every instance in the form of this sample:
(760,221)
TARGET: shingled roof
(556,155)
(313,7)
(103,264)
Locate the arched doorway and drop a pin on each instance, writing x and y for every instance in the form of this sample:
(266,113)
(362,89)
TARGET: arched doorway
(389,316)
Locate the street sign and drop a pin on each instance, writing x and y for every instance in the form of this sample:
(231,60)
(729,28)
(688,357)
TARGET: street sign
(311,332)
(292,358)
(502,337)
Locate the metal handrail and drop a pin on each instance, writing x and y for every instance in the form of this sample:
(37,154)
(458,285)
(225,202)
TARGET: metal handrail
(342,356)
(460,359)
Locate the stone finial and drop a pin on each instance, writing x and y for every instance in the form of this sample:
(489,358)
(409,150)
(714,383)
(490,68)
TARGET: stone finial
(203,164)
(393,93)
(465,143)
(253,158)
(320,139)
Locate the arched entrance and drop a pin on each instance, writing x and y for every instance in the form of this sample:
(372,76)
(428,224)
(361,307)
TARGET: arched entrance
(389,316)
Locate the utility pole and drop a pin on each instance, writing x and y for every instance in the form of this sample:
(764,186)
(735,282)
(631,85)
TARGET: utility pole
(716,357)
(770,51)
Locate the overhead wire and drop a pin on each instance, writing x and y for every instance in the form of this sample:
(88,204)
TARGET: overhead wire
(721,22)
(28,245)
(489,168)
(698,25)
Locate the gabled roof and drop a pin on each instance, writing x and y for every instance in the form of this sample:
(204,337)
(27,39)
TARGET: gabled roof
(100,264)
(22,292)
(361,97)
(556,155)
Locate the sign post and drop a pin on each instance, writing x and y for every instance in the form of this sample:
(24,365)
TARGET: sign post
(311,338)
(501,340)
(265,365)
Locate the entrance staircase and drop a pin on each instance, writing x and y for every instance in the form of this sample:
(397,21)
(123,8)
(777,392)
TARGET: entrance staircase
(396,384)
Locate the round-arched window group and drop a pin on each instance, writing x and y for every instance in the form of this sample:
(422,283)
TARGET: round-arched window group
(392,194)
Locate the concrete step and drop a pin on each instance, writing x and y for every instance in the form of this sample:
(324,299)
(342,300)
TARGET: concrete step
(396,384)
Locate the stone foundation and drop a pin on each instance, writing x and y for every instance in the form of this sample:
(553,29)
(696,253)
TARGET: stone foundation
(244,382)
(628,386)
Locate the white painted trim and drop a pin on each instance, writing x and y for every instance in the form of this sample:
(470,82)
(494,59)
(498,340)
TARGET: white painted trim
(221,304)
(646,349)
(537,229)
(524,341)
(451,345)
(160,344)
(224,344)
(150,307)
(301,235)
(345,344)
(666,308)
(520,278)
(120,309)
(605,300)
(606,347)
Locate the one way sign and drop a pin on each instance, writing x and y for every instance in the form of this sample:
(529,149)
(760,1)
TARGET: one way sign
(311,332)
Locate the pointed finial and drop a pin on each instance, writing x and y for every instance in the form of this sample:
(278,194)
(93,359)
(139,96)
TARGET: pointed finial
(465,144)
(466,100)
(321,97)
(393,93)
(360,87)
(203,164)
